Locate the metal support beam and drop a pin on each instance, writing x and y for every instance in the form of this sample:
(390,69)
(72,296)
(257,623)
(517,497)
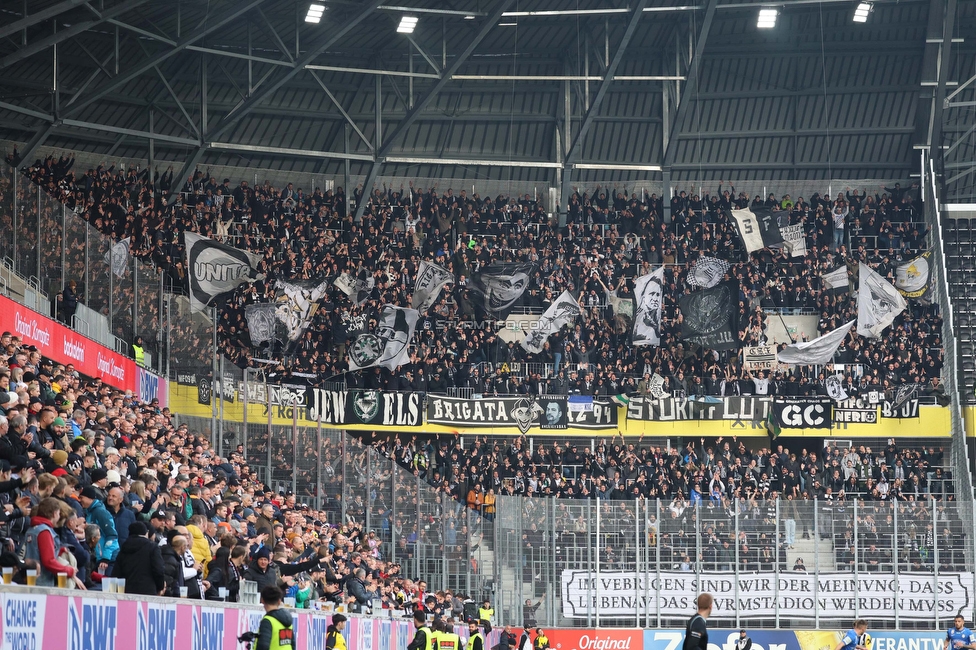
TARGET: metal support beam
(283,77)
(487,25)
(378,117)
(694,66)
(189,166)
(427,57)
(39,137)
(938,106)
(342,111)
(277,39)
(930,73)
(42,15)
(601,92)
(574,150)
(206,28)
(69,32)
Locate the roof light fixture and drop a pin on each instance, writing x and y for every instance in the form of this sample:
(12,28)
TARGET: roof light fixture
(314,14)
(407,25)
(767,18)
(469,17)
(862,11)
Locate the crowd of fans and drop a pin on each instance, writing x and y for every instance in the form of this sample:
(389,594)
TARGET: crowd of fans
(611,237)
(96,485)
(701,490)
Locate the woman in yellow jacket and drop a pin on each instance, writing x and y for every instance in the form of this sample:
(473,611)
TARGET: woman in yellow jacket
(199,546)
(489,505)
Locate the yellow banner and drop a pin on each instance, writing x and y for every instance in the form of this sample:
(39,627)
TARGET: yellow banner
(932,422)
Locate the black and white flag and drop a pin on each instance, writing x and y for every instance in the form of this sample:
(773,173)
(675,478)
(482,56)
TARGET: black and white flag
(656,387)
(562,312)
(878,303)
(216,269)
(297,304)
(710,318)
(816,352)
(835,388)
(836,279)
(357,287)
(648,297)
(795,239)
(914,278)
(389,345)
(501,285)
(430,280)
(118,257)
(708,272)
(261,322)
(758,228)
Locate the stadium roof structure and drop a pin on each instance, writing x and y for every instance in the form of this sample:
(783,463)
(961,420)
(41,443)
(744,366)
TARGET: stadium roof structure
(553,91)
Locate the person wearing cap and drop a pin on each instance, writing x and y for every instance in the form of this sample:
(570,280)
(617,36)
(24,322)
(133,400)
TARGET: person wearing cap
(333,635)
(96,513)
(743,642)
(140,562)
(59,460)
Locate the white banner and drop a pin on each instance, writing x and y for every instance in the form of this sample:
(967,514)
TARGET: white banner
(799,595)
(562,312)
(795,239)
(749,230)
(759,357)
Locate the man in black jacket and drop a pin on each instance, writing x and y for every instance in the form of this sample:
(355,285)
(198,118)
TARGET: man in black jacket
(140,563)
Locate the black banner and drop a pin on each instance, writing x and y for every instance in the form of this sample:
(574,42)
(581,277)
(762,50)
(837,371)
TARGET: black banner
(521,412)
(802,412)
(501,285)
(906,410)
(710,318)
(855,410)
(186,378)
(555,411)
(670,409)
(371,407)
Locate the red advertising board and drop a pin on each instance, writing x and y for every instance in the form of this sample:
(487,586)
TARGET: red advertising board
(64,345)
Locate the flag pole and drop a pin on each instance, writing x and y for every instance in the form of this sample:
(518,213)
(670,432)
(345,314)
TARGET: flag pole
(216,387)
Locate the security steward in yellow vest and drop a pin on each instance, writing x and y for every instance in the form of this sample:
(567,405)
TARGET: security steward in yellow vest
(487,614)
(333,635)
(424,637)
(446,638)
(276,631)
(541,641)
(139,352)
(476,640)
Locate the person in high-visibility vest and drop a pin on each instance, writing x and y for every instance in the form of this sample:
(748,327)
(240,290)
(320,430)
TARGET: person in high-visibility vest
(541,641)
(476,640)
(423,639)
(447,639)
(276,631)
(333,635)
(139,352)
(435,629)
(486,613)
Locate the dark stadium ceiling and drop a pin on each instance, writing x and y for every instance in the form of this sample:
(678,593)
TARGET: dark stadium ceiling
(614,90)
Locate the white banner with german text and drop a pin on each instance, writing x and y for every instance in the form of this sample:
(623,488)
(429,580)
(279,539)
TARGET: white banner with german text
(877,596)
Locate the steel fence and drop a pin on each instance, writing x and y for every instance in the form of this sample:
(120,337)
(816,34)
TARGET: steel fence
(770,564)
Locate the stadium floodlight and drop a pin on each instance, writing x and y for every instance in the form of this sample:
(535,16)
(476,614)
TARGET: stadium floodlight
(767,18)
(469,17)
(407,25)
(314,14)
(861,13)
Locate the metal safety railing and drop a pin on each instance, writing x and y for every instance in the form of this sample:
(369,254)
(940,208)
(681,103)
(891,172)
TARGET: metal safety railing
(770,564)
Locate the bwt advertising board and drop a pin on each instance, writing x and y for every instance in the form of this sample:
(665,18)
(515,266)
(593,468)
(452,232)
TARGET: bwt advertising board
(55,622)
